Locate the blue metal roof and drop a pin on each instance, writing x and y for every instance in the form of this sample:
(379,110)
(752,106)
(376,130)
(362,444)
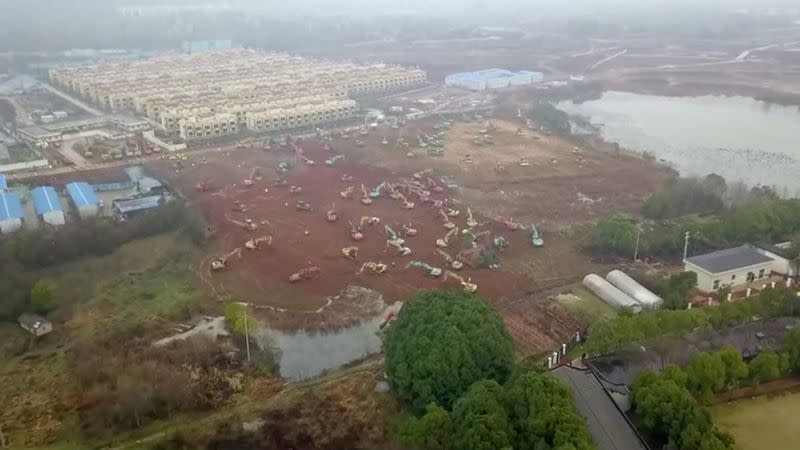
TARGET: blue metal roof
(10,206)
(45,200)
(81,193)
(3,182)
(137,204)
(488,74)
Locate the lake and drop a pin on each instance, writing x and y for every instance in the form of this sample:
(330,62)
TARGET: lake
(739,138)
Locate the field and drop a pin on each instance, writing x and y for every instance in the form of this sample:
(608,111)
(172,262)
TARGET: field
(761,423)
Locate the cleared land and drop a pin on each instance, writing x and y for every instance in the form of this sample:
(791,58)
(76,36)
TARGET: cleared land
(761,423)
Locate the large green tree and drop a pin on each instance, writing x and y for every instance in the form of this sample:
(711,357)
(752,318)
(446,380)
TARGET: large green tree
(479,420)
(706,374)
(766,366)
(441,343)
(43,296)
(432,431)
(735,367)
(791,347)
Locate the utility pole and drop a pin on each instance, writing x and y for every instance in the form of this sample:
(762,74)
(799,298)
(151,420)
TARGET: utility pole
(685,245)
(636,247)
(246,332)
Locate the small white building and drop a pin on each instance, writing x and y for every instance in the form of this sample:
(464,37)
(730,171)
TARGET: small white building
(34,324)
(731,267)
(783,265)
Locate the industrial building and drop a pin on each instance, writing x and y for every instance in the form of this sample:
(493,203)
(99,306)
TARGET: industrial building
(47,205)
(129,206)
(216,93)
(84,199)
(10,212)
(493,79)
(729,268)
(3,183)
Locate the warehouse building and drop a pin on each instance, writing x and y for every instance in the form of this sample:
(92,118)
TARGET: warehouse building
(47,205)
(10,212)
(84,199)
(729,268)
(493,79)
(3,183)
(130,206)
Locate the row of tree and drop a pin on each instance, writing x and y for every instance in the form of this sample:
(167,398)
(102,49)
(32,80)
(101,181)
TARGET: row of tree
(449,355)
(613,334)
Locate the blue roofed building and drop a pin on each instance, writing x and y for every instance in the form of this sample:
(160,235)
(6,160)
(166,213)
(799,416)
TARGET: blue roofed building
(10,212)
(493,79)
(3,183)
(47,205)
(84,199)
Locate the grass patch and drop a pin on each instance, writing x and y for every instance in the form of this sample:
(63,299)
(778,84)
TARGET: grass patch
(583,303)
(761,423)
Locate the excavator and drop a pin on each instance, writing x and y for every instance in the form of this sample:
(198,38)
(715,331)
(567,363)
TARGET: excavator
(295,189)
(409,230)
(222,261)
(445,242)
(536,238)
(448,225)
(303,274)
(471,222)
(451,212)
(434,186)
(421,173)
(327,147)
(454,263)
(466,285)
(384,141)
(500,243)
(509,223)
(365,200)
(331,215)
(376,192)
(523,162)
(330,162)
(406,204)
(350,252)
(355,232)
(306,161)
(255,244)
(392,235)
(248,224)
(374,267)
(347,193)
(302,205)
(203,185)
(430,271)
(346,178)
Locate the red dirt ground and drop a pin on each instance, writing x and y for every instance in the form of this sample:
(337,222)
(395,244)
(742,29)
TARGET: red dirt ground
(261,277)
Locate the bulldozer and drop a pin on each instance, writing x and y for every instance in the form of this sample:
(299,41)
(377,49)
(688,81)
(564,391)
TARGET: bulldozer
(467,285)
(331,215)
(222,261)
(350,252)
(455,264)
(471,222)
(430,271)
(303,274)
(347,193)
(365,200)
(330,162)
(377,268)
(255,244)
(445,241)
(355,232)
(448,225)
(536,238)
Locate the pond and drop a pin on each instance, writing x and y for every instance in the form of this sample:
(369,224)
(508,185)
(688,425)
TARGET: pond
(306,354)
(740,138)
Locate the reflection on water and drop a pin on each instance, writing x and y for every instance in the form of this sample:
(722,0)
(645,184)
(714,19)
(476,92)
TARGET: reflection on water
(305,354)
(739,138)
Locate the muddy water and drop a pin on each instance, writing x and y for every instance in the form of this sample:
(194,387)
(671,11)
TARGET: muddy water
(739,138)
(306,354)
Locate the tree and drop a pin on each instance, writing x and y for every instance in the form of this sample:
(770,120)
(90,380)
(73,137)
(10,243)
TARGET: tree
(735,368)
(656,206)
(441,343)
(616,234)
(235,314)
(551,118)
(432,431)
(675,374)
(706,374)
(791,346)
(42,297)
(664,408)
(715,184)
(766,366)
(677,289)
(479,420)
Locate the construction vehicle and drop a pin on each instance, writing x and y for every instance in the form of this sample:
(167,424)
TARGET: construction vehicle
(471,222)
(203,185)
(406,204)
(488,139)
(409,230)
(255,175)
(347,193)
(303,274)
(430,271)
(248,224)
(346,178)
(331,215)
(365,200)
(295,189)
(509,223)
(359,143)
(445,241)
(500,243)
(393,193)
(306,161)
(392,236)
(523,162)
(330,162)
(466,285)
(478,140)
(267,146)
(421,143)
(402,250)
(536,238)
(350,252)
(376,192)
(239,206)
(452,212)
(434,186)
(384,141)
(255,244)
(302,205)
(222,261)
(448,225)
(468,159)
(454,263)
(520,132)
(374,267)
(285,165)
(363,131)
(355,232)
(327,147)
(369,220)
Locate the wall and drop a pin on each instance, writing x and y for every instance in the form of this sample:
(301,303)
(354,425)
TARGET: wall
(24,165)
(10,225)
(150,136)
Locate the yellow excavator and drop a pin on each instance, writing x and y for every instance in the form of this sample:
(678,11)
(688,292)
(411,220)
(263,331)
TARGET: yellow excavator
(374,267)
(255,244)
(467,285)
(445,242)
(222,261)
(406,204)
(471,222)
(365,200)
(454,263)
(347,193)
(448,225)
(350,252)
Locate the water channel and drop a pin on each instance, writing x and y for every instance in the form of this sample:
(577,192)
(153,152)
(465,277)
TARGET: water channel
(740,138)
